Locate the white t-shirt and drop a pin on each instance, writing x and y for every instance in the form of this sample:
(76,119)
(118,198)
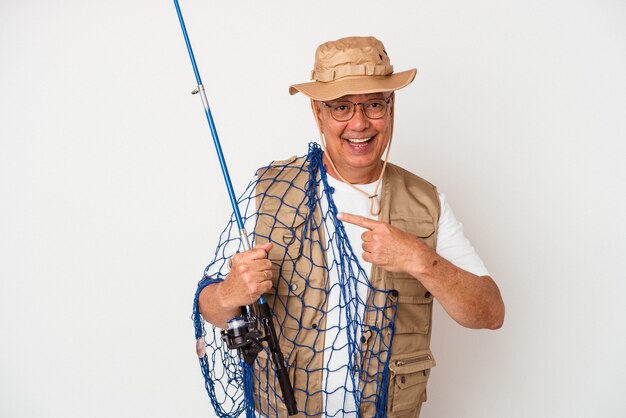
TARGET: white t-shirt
(451,242)
(451,245)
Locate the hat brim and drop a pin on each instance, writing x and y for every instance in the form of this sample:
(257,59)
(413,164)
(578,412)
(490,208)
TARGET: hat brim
(317,90)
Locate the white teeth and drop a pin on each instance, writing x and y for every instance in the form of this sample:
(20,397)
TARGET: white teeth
(358,141)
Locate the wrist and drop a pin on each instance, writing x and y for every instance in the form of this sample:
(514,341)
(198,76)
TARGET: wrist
(422,261)
(222,299)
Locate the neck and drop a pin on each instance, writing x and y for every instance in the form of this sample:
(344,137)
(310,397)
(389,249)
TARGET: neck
(363,176)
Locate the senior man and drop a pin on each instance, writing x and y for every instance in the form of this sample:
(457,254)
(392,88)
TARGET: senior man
(350,251)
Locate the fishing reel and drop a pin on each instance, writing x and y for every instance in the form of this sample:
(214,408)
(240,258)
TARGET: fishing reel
(244,336)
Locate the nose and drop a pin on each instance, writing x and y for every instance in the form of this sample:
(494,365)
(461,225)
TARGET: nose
(359,121)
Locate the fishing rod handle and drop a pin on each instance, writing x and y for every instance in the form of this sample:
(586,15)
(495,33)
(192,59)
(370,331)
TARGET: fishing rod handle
(278,359)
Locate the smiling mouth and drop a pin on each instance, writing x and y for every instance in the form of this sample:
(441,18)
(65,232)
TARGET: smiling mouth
(359,140)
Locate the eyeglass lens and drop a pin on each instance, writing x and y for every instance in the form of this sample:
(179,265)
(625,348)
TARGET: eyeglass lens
(344,110)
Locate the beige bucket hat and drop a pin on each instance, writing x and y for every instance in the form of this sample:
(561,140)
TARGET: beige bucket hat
(353,65)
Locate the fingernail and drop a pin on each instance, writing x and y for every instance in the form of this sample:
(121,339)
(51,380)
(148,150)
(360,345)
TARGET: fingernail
(340,215)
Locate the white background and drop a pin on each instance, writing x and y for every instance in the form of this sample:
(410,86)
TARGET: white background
(111,199)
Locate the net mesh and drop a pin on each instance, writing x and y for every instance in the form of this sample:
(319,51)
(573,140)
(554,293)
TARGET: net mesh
(335,329)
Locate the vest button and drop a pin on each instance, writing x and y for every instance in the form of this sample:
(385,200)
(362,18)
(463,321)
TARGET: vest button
(294,286)
(314,326)
(362,339)
(403,379)
(427,295)
(394,293)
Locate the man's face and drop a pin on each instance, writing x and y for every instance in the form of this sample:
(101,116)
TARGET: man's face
(355,146)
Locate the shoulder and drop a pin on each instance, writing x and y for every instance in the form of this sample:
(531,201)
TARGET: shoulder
(282,181)
(291,165)
(285,162)
(398,176)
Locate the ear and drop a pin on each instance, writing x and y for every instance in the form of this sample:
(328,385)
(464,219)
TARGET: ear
(317,114)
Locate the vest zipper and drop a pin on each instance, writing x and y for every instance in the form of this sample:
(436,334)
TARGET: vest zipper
(413,360)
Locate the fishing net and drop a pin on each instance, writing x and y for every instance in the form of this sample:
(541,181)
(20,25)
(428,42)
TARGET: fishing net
(335,329)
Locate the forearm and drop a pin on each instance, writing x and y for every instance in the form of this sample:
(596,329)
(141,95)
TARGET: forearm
(250,277)
(212,307)
(472,301)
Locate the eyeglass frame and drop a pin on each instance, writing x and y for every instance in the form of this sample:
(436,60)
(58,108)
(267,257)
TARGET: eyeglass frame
(354,105)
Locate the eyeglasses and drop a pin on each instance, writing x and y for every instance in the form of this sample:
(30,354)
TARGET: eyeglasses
(343,110)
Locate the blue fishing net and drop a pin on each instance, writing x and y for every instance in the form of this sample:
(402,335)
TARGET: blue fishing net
(334,328)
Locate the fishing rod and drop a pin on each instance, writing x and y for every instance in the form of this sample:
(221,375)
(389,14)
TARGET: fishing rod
(243,333)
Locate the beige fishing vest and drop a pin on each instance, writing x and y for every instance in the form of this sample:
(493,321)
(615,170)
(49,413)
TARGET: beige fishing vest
(408,203)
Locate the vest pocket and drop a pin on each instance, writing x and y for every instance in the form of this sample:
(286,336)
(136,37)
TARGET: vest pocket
(420,227)
(288,267)
(285,231)
(414,305)
(409,375)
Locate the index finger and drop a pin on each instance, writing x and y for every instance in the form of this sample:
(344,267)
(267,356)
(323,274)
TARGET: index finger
(357,220)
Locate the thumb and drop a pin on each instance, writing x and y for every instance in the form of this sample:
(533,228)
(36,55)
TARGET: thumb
(267,246)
